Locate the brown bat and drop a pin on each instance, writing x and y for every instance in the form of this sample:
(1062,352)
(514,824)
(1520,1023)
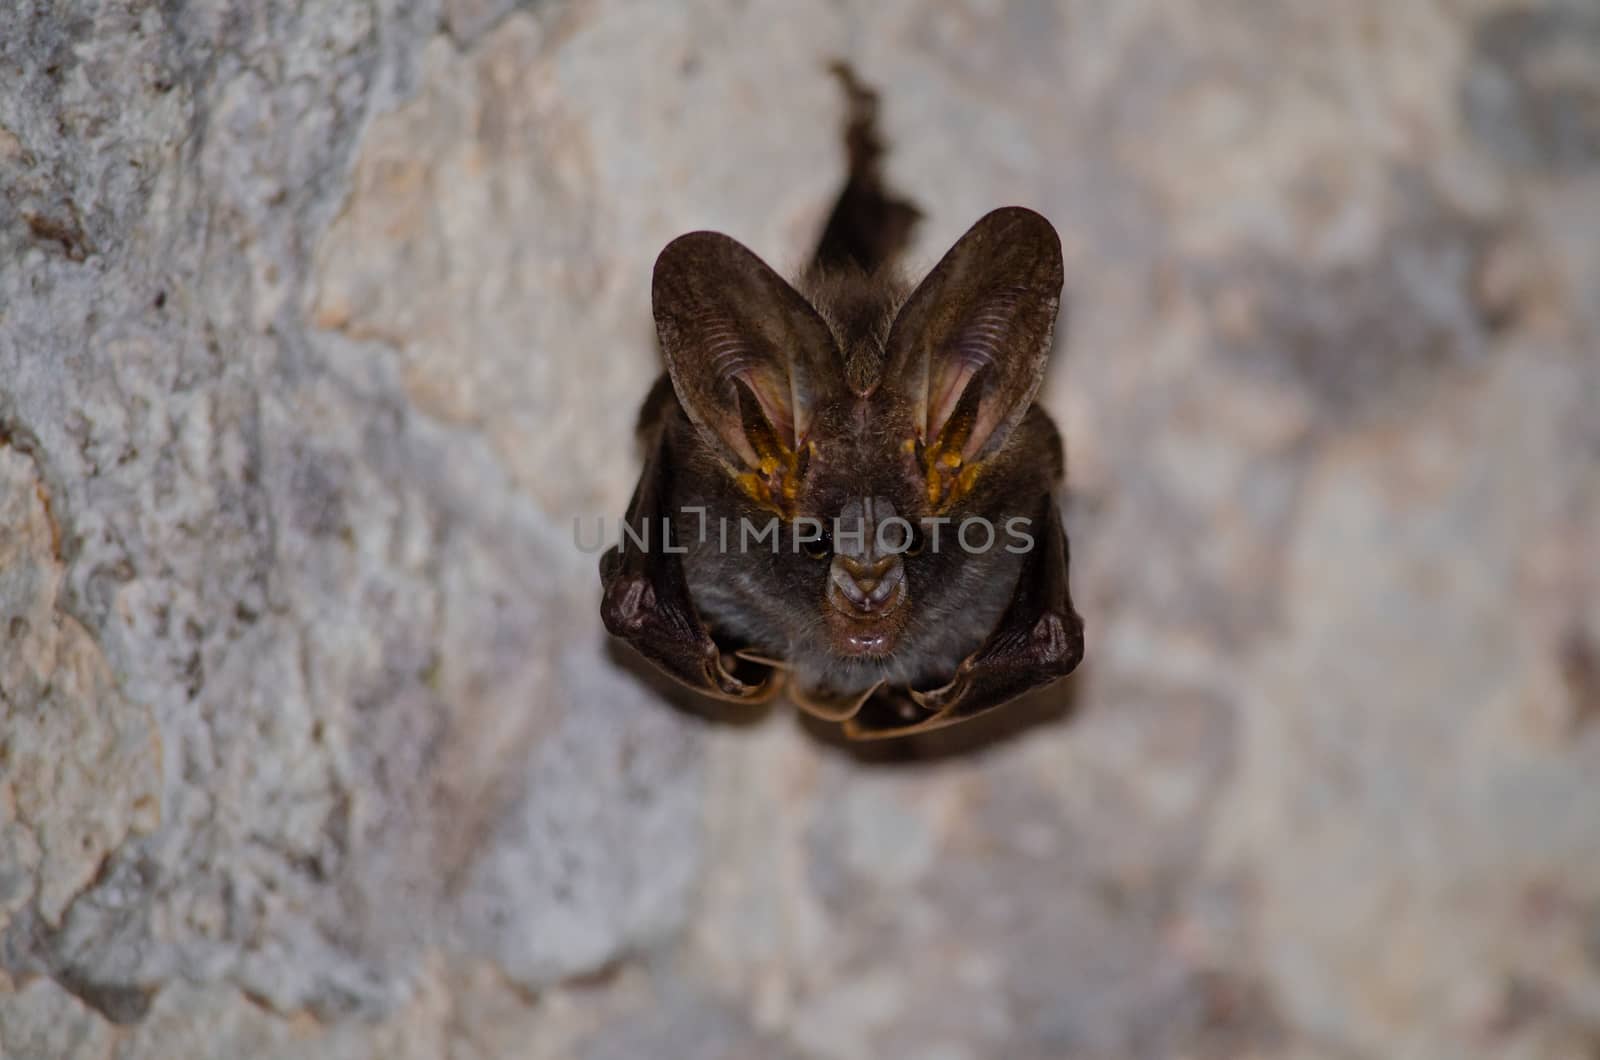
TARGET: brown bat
(848,484)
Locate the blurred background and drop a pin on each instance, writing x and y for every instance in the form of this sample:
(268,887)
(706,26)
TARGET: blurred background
(321,322)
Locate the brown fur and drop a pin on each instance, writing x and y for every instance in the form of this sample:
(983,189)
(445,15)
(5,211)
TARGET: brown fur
(855,393)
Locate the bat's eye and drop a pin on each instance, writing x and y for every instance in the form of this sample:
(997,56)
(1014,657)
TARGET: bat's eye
(900,537)
(918,539)
(819,547)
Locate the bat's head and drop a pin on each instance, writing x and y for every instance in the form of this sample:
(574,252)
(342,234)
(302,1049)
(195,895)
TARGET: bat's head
(884,433)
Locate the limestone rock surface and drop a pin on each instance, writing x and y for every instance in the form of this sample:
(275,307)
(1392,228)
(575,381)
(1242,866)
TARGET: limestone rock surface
(321,322)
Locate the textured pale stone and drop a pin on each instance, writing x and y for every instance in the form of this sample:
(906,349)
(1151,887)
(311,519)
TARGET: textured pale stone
(302,634)
(42,1022)
(79,765)
(319,322)
(1353,832)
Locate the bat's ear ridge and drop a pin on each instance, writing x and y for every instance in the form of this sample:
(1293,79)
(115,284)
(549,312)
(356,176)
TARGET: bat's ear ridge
(729,327)
(983,318)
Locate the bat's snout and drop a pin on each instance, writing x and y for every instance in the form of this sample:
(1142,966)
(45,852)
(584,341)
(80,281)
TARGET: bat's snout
(868,588)
(864,606)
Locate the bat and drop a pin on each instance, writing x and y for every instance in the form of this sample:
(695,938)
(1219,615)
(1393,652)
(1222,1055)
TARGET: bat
(848,490)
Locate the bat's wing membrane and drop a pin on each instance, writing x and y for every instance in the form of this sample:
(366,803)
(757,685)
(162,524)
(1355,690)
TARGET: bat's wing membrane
(829,706)
(646,601)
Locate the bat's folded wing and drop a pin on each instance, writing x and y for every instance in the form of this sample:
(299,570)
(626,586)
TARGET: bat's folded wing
(645,597)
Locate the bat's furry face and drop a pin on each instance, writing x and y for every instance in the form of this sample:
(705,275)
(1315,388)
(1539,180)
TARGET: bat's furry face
(885,435)
(869,581)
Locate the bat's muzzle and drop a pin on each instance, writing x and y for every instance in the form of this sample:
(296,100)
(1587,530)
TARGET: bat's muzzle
(865,606)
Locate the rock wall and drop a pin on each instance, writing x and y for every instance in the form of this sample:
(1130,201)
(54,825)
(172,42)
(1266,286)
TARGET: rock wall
(320,322)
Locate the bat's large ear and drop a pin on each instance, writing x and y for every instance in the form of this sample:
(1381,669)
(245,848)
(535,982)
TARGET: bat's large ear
(969,347)
(748,355)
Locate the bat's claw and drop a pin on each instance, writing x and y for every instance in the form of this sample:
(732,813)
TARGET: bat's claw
(723,684)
